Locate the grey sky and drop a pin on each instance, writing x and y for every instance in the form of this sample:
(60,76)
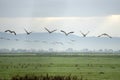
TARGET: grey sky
(58,8)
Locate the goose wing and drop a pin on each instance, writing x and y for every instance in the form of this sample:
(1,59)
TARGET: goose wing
(8,31)
(70,33)
(14,32)
(108,36)
(47,30)
(100,35)
(53,31)
(26,31)
(87,32)
(82,33)
(64,32)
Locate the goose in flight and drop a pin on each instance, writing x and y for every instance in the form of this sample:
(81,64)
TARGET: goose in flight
(84,34)
(11,32)
(66,32)
(104,34)
(50,31)
(28,33)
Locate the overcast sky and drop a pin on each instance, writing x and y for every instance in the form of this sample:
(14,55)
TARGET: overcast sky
(96,16)
(58,8)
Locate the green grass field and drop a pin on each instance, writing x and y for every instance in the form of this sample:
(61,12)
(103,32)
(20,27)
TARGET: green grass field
(89,67)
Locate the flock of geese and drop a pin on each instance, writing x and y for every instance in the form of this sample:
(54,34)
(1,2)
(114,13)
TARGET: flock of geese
(66,33)
(84,34)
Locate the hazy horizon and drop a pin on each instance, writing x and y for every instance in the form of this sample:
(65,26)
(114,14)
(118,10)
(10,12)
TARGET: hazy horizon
(57,41)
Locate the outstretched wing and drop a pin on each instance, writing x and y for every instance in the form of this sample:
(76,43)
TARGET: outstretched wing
(64,32)
(47,30)
(82,33)
(53,31)
(105,35)
(87,33)
(70,33)
(26,31)
(13,32)
(8,31)
(100,35)
(108,36)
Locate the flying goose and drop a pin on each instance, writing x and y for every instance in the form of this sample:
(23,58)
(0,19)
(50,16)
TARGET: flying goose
(84,34)
(11,32)
(104,34)
(28,33)
(66,32)
(50,31)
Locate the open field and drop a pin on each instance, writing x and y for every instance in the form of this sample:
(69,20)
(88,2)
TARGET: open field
(87,67)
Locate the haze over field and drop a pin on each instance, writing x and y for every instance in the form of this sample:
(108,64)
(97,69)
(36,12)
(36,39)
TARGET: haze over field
(57,42)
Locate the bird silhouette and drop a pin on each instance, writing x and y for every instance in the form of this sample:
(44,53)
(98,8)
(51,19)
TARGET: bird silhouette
(84,34)
(28,33)
(11,31)
(50,31)
(104,34)
(67,33)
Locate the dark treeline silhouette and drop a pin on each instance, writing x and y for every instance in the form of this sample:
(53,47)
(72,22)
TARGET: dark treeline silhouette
(45,77)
